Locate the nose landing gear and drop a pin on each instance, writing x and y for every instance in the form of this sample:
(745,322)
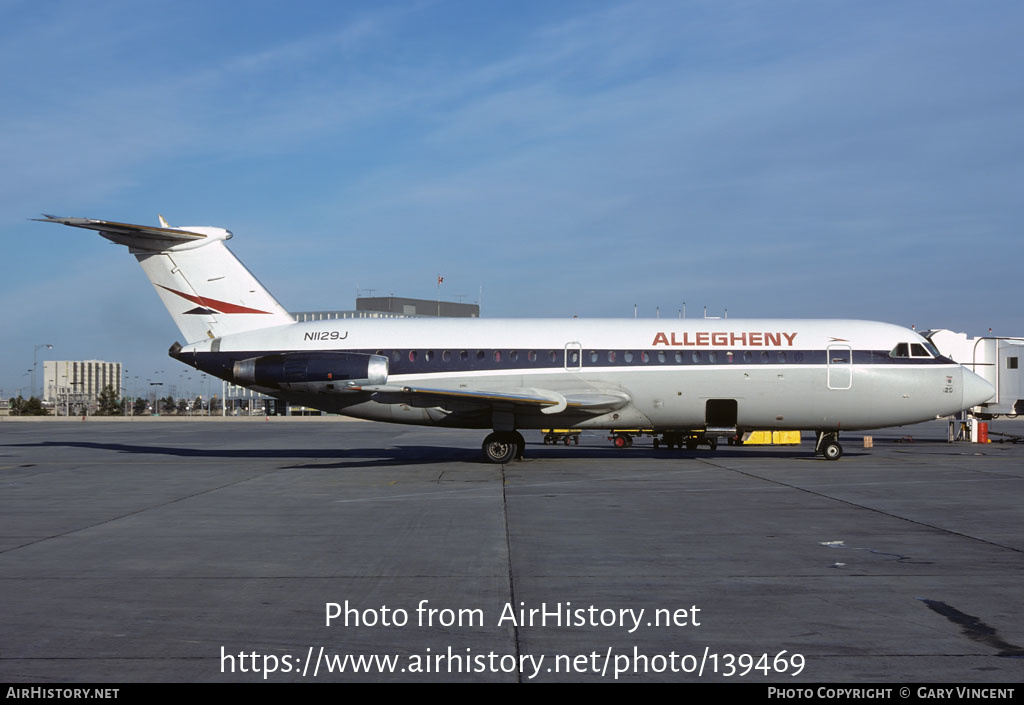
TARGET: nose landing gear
(828,445)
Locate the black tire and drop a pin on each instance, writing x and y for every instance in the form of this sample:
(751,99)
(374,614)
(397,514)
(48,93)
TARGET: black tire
(691,444)
(657,443)
(713,442)
(831,450)
(500,447)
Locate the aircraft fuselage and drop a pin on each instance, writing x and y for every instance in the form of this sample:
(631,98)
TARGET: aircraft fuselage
(786,374)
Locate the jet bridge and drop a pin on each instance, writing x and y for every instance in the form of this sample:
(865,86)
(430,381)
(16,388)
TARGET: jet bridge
(997,359)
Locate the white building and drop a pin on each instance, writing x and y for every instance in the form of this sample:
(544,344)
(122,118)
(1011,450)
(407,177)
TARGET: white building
(81,380)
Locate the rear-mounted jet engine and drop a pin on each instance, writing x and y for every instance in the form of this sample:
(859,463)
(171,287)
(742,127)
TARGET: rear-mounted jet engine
(312,371)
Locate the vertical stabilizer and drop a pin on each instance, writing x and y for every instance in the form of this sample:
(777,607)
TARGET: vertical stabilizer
(206,289)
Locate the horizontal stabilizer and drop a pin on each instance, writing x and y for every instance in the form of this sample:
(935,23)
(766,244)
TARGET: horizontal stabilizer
(141,236)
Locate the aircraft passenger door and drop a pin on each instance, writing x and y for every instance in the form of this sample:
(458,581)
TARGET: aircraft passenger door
(840,366)
(573,356)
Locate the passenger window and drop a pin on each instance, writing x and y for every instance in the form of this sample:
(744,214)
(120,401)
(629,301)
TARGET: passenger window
(661,357)
(679,358)
(497,355)
(464,355)
(765,356)
(712,357)
(748,356)
(695,356)
(513,355)
(553,355)
(446,356)
(782,355)
(532,356)
(644,357)
(396,356)
(428,355)
(412,356)
(611,356)
(480,354)
(627,356)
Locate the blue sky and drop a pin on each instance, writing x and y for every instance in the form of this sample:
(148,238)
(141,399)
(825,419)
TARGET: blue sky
(785,159)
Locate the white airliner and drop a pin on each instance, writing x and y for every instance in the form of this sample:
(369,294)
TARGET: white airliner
(690,379)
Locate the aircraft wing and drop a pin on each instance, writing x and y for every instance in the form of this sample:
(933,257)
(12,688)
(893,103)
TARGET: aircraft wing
(528,399)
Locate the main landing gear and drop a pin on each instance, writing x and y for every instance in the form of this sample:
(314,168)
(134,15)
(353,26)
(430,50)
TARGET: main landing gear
(503,446)
(828,445)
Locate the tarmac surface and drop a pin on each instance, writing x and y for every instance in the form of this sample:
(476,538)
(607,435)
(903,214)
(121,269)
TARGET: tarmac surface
(194,552)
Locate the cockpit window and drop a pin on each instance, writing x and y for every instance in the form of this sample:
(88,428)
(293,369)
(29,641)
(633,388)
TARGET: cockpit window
(914,350)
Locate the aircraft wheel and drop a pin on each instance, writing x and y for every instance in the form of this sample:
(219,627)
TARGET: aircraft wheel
(629,441)
(832,450)
(500,447)
(691,444)
(657,443)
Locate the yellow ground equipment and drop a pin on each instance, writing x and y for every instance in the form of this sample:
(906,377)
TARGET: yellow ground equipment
(772,438)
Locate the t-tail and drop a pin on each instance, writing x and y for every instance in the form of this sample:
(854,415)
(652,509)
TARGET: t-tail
(206,289)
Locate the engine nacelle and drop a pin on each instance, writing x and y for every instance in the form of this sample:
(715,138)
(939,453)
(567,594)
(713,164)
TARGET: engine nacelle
(320,371)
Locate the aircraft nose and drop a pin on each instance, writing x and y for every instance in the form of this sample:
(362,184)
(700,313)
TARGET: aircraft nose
(977,390)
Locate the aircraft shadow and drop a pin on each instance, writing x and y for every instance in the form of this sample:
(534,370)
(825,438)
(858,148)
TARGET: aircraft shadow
(428,455)
(544,452)
(401,455)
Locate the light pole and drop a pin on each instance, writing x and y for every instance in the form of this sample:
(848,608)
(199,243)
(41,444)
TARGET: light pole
(35,363)
(156,400)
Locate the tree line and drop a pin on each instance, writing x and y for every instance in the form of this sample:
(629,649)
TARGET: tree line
(108,404)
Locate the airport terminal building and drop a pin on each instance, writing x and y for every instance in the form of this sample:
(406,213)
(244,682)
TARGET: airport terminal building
(395,307)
